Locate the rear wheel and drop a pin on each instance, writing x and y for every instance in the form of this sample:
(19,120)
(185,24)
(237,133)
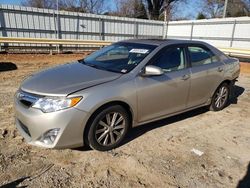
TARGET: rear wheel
(220,98)
(108,128)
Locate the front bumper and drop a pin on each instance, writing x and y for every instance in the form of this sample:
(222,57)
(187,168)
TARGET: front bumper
(33,123)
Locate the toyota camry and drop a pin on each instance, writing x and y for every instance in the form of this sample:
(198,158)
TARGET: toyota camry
(95,101)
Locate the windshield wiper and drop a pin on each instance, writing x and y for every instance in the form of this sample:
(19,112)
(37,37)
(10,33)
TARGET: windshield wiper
(112,70)
(88,64)
(83,62)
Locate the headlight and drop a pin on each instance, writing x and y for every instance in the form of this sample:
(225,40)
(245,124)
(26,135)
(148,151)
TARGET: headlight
(52,104)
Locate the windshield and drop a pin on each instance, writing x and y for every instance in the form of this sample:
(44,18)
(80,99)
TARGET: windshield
(119,57)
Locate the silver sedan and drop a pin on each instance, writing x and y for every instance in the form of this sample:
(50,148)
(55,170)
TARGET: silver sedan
(95,101)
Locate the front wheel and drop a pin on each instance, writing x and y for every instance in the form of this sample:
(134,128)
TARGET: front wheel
(108,128)
(220,98)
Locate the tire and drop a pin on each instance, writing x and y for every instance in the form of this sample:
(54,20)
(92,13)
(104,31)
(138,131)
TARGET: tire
(108,128)
(220,98)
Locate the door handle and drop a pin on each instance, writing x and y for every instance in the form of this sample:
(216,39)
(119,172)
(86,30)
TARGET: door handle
(220,69)
(185,77)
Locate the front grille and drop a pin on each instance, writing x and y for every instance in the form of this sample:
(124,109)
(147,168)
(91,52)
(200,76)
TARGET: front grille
(26,103)
(26,99)
(25,129)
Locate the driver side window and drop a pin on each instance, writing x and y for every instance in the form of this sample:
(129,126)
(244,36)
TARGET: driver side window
(170,59)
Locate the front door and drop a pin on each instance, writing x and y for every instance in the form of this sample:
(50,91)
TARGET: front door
(159,96)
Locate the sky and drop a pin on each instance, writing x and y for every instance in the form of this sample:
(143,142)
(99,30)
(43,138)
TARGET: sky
(12,2)
(18,2)
(190,9)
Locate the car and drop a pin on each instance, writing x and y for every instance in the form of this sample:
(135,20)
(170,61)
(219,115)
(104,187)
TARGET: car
(95,101)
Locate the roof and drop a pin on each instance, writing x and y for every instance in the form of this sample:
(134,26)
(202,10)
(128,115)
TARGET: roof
(159,42)
(156,42)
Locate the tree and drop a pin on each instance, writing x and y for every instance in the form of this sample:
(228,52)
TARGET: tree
(89,6)
(156,7)
(238,8)
(39,3)
(200,16)
(130,8)
(139,9)
(214,8)
(70,5)
(92,6)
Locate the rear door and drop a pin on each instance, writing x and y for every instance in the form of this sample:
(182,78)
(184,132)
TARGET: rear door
(168,93)
(206,74)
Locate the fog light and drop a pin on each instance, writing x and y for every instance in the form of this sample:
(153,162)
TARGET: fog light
(50,136)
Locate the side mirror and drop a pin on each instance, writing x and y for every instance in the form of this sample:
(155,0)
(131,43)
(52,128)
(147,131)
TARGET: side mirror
(151,70)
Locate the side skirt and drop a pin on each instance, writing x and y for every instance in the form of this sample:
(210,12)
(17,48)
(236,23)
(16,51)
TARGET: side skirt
(135,124)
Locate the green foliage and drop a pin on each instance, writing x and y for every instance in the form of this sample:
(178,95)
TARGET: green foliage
(200,16)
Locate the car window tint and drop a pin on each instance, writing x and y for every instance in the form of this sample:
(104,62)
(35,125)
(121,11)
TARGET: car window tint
(120,57)
(201,56)
(171,59)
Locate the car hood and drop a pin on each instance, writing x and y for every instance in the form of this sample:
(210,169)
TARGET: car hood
(65,79)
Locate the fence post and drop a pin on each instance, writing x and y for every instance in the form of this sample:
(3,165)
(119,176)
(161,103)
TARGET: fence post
(55,31)
(78,30)
(165,29)
(135,30)
(233,31)
(3,28)
(50,50)
(54,19)
(58,30)
(101,29)
(192,29)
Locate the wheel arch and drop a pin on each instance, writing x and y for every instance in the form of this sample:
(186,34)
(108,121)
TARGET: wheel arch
(228,82)
(125,105)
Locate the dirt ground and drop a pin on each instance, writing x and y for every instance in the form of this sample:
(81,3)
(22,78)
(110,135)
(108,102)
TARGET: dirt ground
(154,155)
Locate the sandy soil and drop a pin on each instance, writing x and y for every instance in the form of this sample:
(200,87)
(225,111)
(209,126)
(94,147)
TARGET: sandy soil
(154,155)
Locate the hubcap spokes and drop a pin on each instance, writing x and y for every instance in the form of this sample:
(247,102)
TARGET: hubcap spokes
(110,129)
(221,97)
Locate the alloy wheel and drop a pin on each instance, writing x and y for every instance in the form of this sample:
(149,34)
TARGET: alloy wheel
(221,97)
(110,129)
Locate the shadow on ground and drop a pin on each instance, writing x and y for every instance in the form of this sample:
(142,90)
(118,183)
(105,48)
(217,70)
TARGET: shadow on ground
(140,130)
(15,183)
(236,93)
(245,182)
(7,66)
